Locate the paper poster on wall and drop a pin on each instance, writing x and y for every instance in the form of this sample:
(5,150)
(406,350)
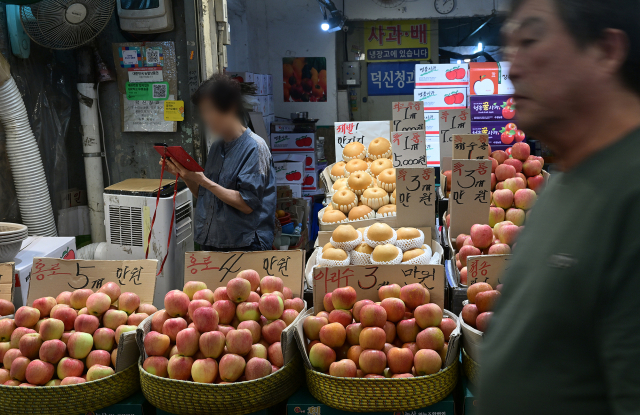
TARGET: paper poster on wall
(145,116)
(362,132)
(304,79)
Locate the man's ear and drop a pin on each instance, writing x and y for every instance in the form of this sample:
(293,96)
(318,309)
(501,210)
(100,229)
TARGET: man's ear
(613,50)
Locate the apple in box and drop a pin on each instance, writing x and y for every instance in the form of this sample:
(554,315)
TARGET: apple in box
(293,141)
(501,133)
(490,78)
(435,99)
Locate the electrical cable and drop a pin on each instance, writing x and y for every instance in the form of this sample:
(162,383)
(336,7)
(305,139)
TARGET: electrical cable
(104,145)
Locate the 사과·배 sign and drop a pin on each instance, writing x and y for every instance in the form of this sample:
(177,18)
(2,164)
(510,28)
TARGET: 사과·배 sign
(216,269)
(366,279)
(470,196)
(416,197)
(51,276)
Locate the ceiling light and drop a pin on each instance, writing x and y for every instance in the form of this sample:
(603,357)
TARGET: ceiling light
(459,61)
(325,26)
(466,60)
(479,47)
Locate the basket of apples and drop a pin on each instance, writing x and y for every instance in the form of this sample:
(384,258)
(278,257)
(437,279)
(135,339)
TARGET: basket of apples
(224,351)
(398,354)
(475,317)
(75,353)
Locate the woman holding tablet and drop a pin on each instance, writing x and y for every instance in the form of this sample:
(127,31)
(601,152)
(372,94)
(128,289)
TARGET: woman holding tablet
(236,205)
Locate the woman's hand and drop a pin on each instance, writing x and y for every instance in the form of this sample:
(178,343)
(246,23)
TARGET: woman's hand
(174,167)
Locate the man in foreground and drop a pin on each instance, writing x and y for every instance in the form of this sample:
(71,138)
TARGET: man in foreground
(565,337)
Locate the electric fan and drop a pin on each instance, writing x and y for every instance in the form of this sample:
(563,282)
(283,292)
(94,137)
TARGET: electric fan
(65,24)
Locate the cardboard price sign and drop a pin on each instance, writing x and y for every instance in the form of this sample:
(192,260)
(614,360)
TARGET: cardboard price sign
(7,271)
(51,276)
(416,197)
(362,132)
(408,116)
(487,268)
(409,149)
(470,146)
(452,122)
(470,194)
(216,268)
(366,279)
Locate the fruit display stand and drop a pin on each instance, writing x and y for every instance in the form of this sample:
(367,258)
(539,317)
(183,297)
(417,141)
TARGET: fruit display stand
(388,394)
(389,220)
(184,397)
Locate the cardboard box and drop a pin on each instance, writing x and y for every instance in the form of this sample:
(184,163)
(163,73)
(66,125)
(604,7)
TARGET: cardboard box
(36,246)
(293,142)
(289,168)
(310,161)
(431,122)
(263,103)
(310,181)
(296,190)
(494,130)
(302,402)
(261,84)
(242,76)
(490,78)
(439,75)
(270,106)
(491,108)
(436,99)
(136,404)
(269,84)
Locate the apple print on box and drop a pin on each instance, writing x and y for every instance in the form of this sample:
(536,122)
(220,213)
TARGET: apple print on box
(501,133)
(292,142)
(492,108)
(442,75)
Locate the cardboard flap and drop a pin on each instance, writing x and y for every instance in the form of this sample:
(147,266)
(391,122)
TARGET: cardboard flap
(456,121)
(470,194)
(280,157)
(128,351)
(416,198)
(409,149)
(487,268)
(51,276)
(407,116)
(216,268)
(288,337)
(301,339)
(454,340)
(470,146)
(366,279)
(7,280)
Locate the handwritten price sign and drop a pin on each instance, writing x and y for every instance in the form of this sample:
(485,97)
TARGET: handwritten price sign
(6,280)
(51,276)
(366,279)
(409,149)
(452,122)
(361,132)
(408,116)
(487,268)
(416,197)
(216,268)
(471,146)
(470,194)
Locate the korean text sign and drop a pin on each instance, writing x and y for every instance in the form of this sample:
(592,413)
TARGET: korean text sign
(470,146)
(487,268)
(216,268)
(362,132)
(51,276)
(416,197)
(470,194)
(6,280)
(407,116)
(397,40)
(409,149)
(366,279)
(452,122)
(390,78)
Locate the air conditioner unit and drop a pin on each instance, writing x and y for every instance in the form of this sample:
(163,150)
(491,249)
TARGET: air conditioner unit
(129,207)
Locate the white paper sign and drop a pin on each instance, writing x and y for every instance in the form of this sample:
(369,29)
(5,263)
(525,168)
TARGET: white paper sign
(409,149)
(362,132)
(145,75)
(147,116)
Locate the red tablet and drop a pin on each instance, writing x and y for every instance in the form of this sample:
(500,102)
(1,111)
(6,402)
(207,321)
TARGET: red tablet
(180,154)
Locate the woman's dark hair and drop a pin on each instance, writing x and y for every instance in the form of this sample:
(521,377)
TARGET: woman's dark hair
(224,93)
(587,19)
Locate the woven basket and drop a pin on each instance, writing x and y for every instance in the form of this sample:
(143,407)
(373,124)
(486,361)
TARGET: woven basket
(186,398)
(369,395)
(70,399)
(470,367)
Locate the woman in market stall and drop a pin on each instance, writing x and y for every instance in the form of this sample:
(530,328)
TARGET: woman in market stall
(236,205)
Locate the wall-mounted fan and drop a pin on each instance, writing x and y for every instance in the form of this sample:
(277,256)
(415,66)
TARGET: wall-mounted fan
(389,3)
(65,24)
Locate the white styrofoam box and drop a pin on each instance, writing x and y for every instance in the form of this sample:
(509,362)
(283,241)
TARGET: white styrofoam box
(310,180)
(289,168)
(242,76)
(264,104)
(38,246)
(431,122)
(269,84)
(270,106)
(296,189)
(441,75)
(436,99)
(293,142)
